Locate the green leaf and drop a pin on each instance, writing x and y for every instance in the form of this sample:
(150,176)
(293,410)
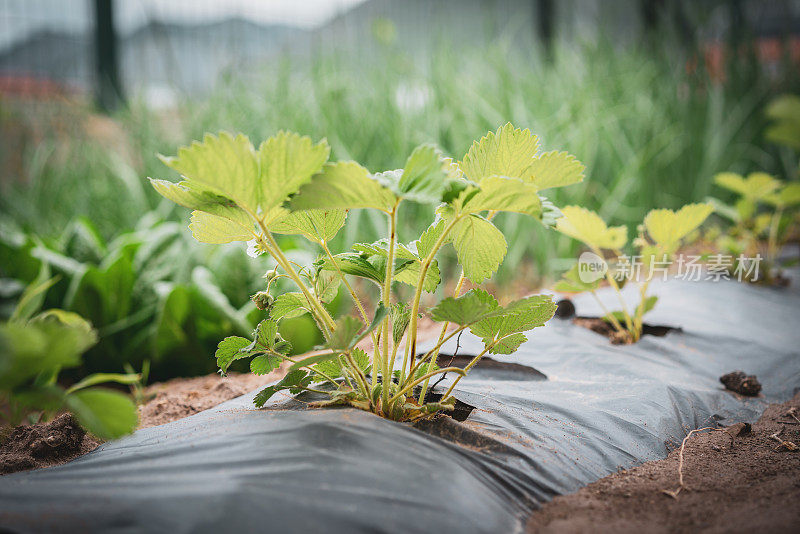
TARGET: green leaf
(222,164)
(480,247)
(499,193)
(215,230)
(401,316)
(408,264)
(33,296)
(343,185)
(265,333)
(230,349)
(467,309)
(289,305)
(264,364)
(757,185)
(667,227)
(508,344)
(787,196)
(288,161)
(518,316)
(101,378)
(26,350)
(356,265)
(785,112)
(345,335)
(507,152)
(294,381)
(326,285)
(424,176)
(555,169)
(586,226)
(349,331)
(572,283)
(319,226)
(314,360)
(106,414)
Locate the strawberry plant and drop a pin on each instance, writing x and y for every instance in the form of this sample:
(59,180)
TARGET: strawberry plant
(287,186)
(34,348)
(762,218)
(660,236)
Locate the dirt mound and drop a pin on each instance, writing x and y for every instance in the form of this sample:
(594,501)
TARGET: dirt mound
(43,445)
(750,483)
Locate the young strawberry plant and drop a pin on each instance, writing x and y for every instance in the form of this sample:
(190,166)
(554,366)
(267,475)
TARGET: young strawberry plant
(660,236)
(34,347)
(762,219)
(287,186)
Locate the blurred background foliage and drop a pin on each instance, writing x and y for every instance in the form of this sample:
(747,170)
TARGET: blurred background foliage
(652,119)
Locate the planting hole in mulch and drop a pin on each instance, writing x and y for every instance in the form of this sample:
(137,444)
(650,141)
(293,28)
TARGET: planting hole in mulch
(494,368)
(604,328)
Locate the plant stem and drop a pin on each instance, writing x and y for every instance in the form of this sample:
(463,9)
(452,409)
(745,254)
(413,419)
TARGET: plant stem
(611,317)
(423,272)
(435,350)
(466,369)
(386,369)
(277,253)
(458,370)
(772,242)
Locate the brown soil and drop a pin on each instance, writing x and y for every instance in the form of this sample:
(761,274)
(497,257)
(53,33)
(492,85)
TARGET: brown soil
(62,439)
(182,397)
(43,445)
(750,483)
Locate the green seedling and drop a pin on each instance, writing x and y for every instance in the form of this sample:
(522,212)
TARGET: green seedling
(660,237)
(34,348)
(287,186)
(763,218)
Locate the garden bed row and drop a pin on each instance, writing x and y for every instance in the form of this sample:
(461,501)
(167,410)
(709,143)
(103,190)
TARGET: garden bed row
(601,408)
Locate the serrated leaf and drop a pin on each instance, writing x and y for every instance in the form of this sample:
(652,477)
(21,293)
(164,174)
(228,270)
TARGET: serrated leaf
(105,413)
(667,227)
(314,360)
(356,265)
(319,226)
(220,164)
(429,238)
(785,112)
(401,316)
(518,316)
(294,381)
(264,364)
(424,176)
(346,331)
(215,230)
(467,309)
(265,333)
(200,197)
(288,161)
(480,247)
(289,305)
(326,286)
(754,188)
(500,193)
(787,196)
(408,264)
(229,350)
(507,152)
(555,169)
(586,226)
(508,344)
(344,185)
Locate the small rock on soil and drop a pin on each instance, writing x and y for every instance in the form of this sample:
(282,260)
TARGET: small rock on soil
(741,383)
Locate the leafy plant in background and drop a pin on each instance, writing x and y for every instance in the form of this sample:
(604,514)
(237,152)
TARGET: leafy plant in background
(286,186)
(660,237)
(34,348)
(763,218)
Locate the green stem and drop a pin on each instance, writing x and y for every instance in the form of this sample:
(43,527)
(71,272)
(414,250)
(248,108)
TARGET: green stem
(423,272)
(772,242)
(466,369)
(435,350)
(427,376)
(611,318)
(386,369)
